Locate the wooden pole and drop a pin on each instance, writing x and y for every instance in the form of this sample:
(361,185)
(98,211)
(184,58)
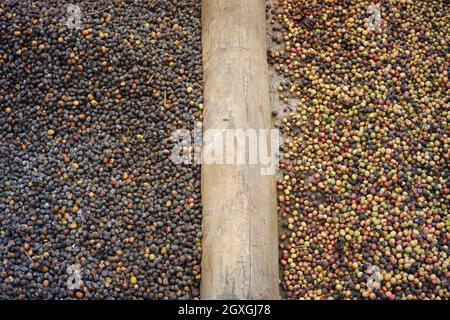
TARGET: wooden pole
(240,242)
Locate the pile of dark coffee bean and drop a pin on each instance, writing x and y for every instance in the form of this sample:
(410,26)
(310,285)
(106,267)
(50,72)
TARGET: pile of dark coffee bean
(91,205)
